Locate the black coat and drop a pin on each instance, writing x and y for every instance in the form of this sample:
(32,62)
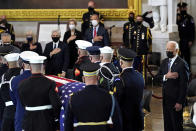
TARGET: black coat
(38,49)
(92,104)
(39,91)
(73,52)
(127,30)
(101,32)
(131,101)
(58,62)
(8,29)
(174,90)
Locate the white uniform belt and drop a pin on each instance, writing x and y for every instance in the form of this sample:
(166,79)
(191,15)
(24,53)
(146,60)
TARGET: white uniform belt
(39,108)
(9,103)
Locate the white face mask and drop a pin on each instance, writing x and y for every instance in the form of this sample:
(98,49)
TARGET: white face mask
(94,23)
(72,27)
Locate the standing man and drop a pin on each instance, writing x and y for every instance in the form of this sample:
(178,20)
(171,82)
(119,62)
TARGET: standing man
(94,54)
(24,58)
(5,27)
(186,28)
(174,74)
(127,28)
(131,100)
(97,34)
(9,110)
(159,12)
(41,102)
(86,17)
(93,108)
(82,58)
(141,43)
(57,54)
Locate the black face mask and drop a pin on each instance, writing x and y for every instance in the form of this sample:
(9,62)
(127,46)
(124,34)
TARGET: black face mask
(90,9)
(183,12)
(170,54)
(55,39)
(29,39)
(131,19)
(139,22)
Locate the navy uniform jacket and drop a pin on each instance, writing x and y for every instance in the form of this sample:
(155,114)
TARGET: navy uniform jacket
(174,90)
(73,51)
(131,101)
(101,32)
(35,91)
(78,73)
(141,40)
(8,29)
(15,98)
(92,104)
(58,62)
(9,111)
(127,30)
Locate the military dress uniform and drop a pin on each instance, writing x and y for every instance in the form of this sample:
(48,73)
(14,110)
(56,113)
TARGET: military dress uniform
(8,28)
(93,107)
(131,100)
(41,102)
(141,43)
(127,30)
(186,28)
(9,110)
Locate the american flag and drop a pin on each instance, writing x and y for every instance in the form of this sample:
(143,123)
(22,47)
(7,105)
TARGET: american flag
(65,87)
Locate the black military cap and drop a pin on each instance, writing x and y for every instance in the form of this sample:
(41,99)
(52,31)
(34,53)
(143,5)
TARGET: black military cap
(90,69)
(93,50)
(126,54)
(182,4)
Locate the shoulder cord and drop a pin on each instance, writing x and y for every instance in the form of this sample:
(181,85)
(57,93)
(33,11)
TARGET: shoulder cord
(112,110)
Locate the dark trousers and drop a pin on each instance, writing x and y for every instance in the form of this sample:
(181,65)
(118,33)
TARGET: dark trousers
(173,120)
(139,64)
(185,51)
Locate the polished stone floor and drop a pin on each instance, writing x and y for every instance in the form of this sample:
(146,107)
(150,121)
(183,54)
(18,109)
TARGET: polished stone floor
(154,119)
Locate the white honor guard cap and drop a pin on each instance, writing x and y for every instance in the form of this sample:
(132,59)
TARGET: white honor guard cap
(26,55)
(37,60)
(106,49)
(12,57)
(82,44)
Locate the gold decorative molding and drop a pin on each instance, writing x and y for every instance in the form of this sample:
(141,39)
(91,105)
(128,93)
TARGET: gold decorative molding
(52,14)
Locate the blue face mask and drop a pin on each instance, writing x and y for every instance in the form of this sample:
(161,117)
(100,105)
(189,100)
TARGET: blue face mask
(29,39)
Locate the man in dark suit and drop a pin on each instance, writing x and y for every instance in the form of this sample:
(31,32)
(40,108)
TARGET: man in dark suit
(174,73)
(97,34)
(132,94)
(86,17)
(57,54)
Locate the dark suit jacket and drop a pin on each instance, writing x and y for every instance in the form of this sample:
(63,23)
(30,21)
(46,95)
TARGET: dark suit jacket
(58,62)
(73,52)
(174,90)
(101,32)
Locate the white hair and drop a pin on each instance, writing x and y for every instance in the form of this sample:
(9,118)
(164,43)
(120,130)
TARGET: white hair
(176,44)
(5,35)
(107,56)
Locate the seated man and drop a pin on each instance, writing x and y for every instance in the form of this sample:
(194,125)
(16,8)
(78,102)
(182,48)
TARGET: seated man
(97,34)
(57,54)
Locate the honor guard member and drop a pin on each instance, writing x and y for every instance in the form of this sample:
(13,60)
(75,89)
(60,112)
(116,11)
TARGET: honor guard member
(93,107)
(127,28)
(141,43)
(108,71)
(186,28)
(9,110)
(6,27)
(86,17)
(24,59)
(131,101)
(82,58)
(94,54)
(41,102)
(6,46)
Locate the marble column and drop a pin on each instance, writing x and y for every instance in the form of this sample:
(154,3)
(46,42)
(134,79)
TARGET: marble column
(172,7)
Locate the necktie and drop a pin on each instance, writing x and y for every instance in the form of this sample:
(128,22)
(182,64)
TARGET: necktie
(169,64)
(95,32)
(54,46)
